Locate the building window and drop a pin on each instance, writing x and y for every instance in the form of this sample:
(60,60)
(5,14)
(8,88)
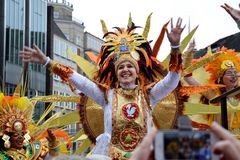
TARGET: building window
(55,92)
(72,105)
(67,35)
(78,40)
(38,26)
(57,46)
(67,103)
(62,103)
(9,89)
(56,14)
(31,93)
(63,49)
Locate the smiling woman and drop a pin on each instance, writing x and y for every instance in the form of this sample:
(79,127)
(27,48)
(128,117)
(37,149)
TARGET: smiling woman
(222,70)
(230,78)
(127,74)
(126,86)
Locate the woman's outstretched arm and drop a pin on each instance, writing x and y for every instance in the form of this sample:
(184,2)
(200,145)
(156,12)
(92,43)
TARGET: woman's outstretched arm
(67,74)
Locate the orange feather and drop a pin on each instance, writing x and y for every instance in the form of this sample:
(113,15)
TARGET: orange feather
(159,40)
(148,61)
(190,90)
(59,134)
(100,55)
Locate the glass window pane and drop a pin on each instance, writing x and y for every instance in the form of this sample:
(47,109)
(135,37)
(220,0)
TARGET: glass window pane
(7,12)
(12,46)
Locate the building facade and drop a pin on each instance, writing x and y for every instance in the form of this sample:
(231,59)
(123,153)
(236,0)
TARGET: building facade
(72,28)
(92,43)
(66,36)
(24,24)
(61,46)
(69,34)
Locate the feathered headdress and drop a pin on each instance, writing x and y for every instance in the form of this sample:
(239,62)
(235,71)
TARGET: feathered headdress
(217,67)
(15,114)
(16,117)
(125,44)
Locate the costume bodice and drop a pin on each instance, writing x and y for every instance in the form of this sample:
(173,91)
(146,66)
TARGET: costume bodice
(129,120)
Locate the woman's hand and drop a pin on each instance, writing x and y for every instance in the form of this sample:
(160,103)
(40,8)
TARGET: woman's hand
(51,137)
(34,55)
(191,47)
(188,56)
(174,36)
(234,13)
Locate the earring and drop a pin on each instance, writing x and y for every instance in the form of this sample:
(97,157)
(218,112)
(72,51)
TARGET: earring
(117,84)
(138,81)
(7,143)
(26,139)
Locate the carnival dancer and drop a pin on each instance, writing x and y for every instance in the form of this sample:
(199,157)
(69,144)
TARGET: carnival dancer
(16,141)
(126,85)
(223,70)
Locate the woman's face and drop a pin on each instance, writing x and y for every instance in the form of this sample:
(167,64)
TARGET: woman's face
(230,78)
(126,73)
(16,140)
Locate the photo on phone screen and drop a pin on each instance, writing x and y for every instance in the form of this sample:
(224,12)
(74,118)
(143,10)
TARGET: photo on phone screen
(184,145)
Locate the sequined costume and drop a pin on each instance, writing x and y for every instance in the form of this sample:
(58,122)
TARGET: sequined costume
(224,60)
(159,91)
(127,112)
(20,137)
(16,117)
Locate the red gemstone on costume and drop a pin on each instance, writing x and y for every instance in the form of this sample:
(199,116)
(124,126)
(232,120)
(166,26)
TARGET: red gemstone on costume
(130,111)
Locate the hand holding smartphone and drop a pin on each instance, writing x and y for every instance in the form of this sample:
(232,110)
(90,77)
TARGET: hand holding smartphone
(178,144)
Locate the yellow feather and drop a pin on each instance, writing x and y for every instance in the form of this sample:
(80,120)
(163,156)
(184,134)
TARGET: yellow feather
(147,26)
(129,20)
(46,112)
(193,109)
(69,118)
(88,68)
(63,149)
(1,98)
(201,63)
(22,103)
(187,39)
(57,98)
(104,27)
(79,134)
(83,146)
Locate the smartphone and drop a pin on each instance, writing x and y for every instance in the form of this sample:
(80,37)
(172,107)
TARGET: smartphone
(175,144)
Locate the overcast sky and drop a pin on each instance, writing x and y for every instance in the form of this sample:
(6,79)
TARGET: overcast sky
(214,23)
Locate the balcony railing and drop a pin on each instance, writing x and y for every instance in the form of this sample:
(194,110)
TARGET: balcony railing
(65,2)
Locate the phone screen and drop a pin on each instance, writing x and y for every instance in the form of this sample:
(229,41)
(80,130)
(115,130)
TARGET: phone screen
(187,145)
(184,145)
